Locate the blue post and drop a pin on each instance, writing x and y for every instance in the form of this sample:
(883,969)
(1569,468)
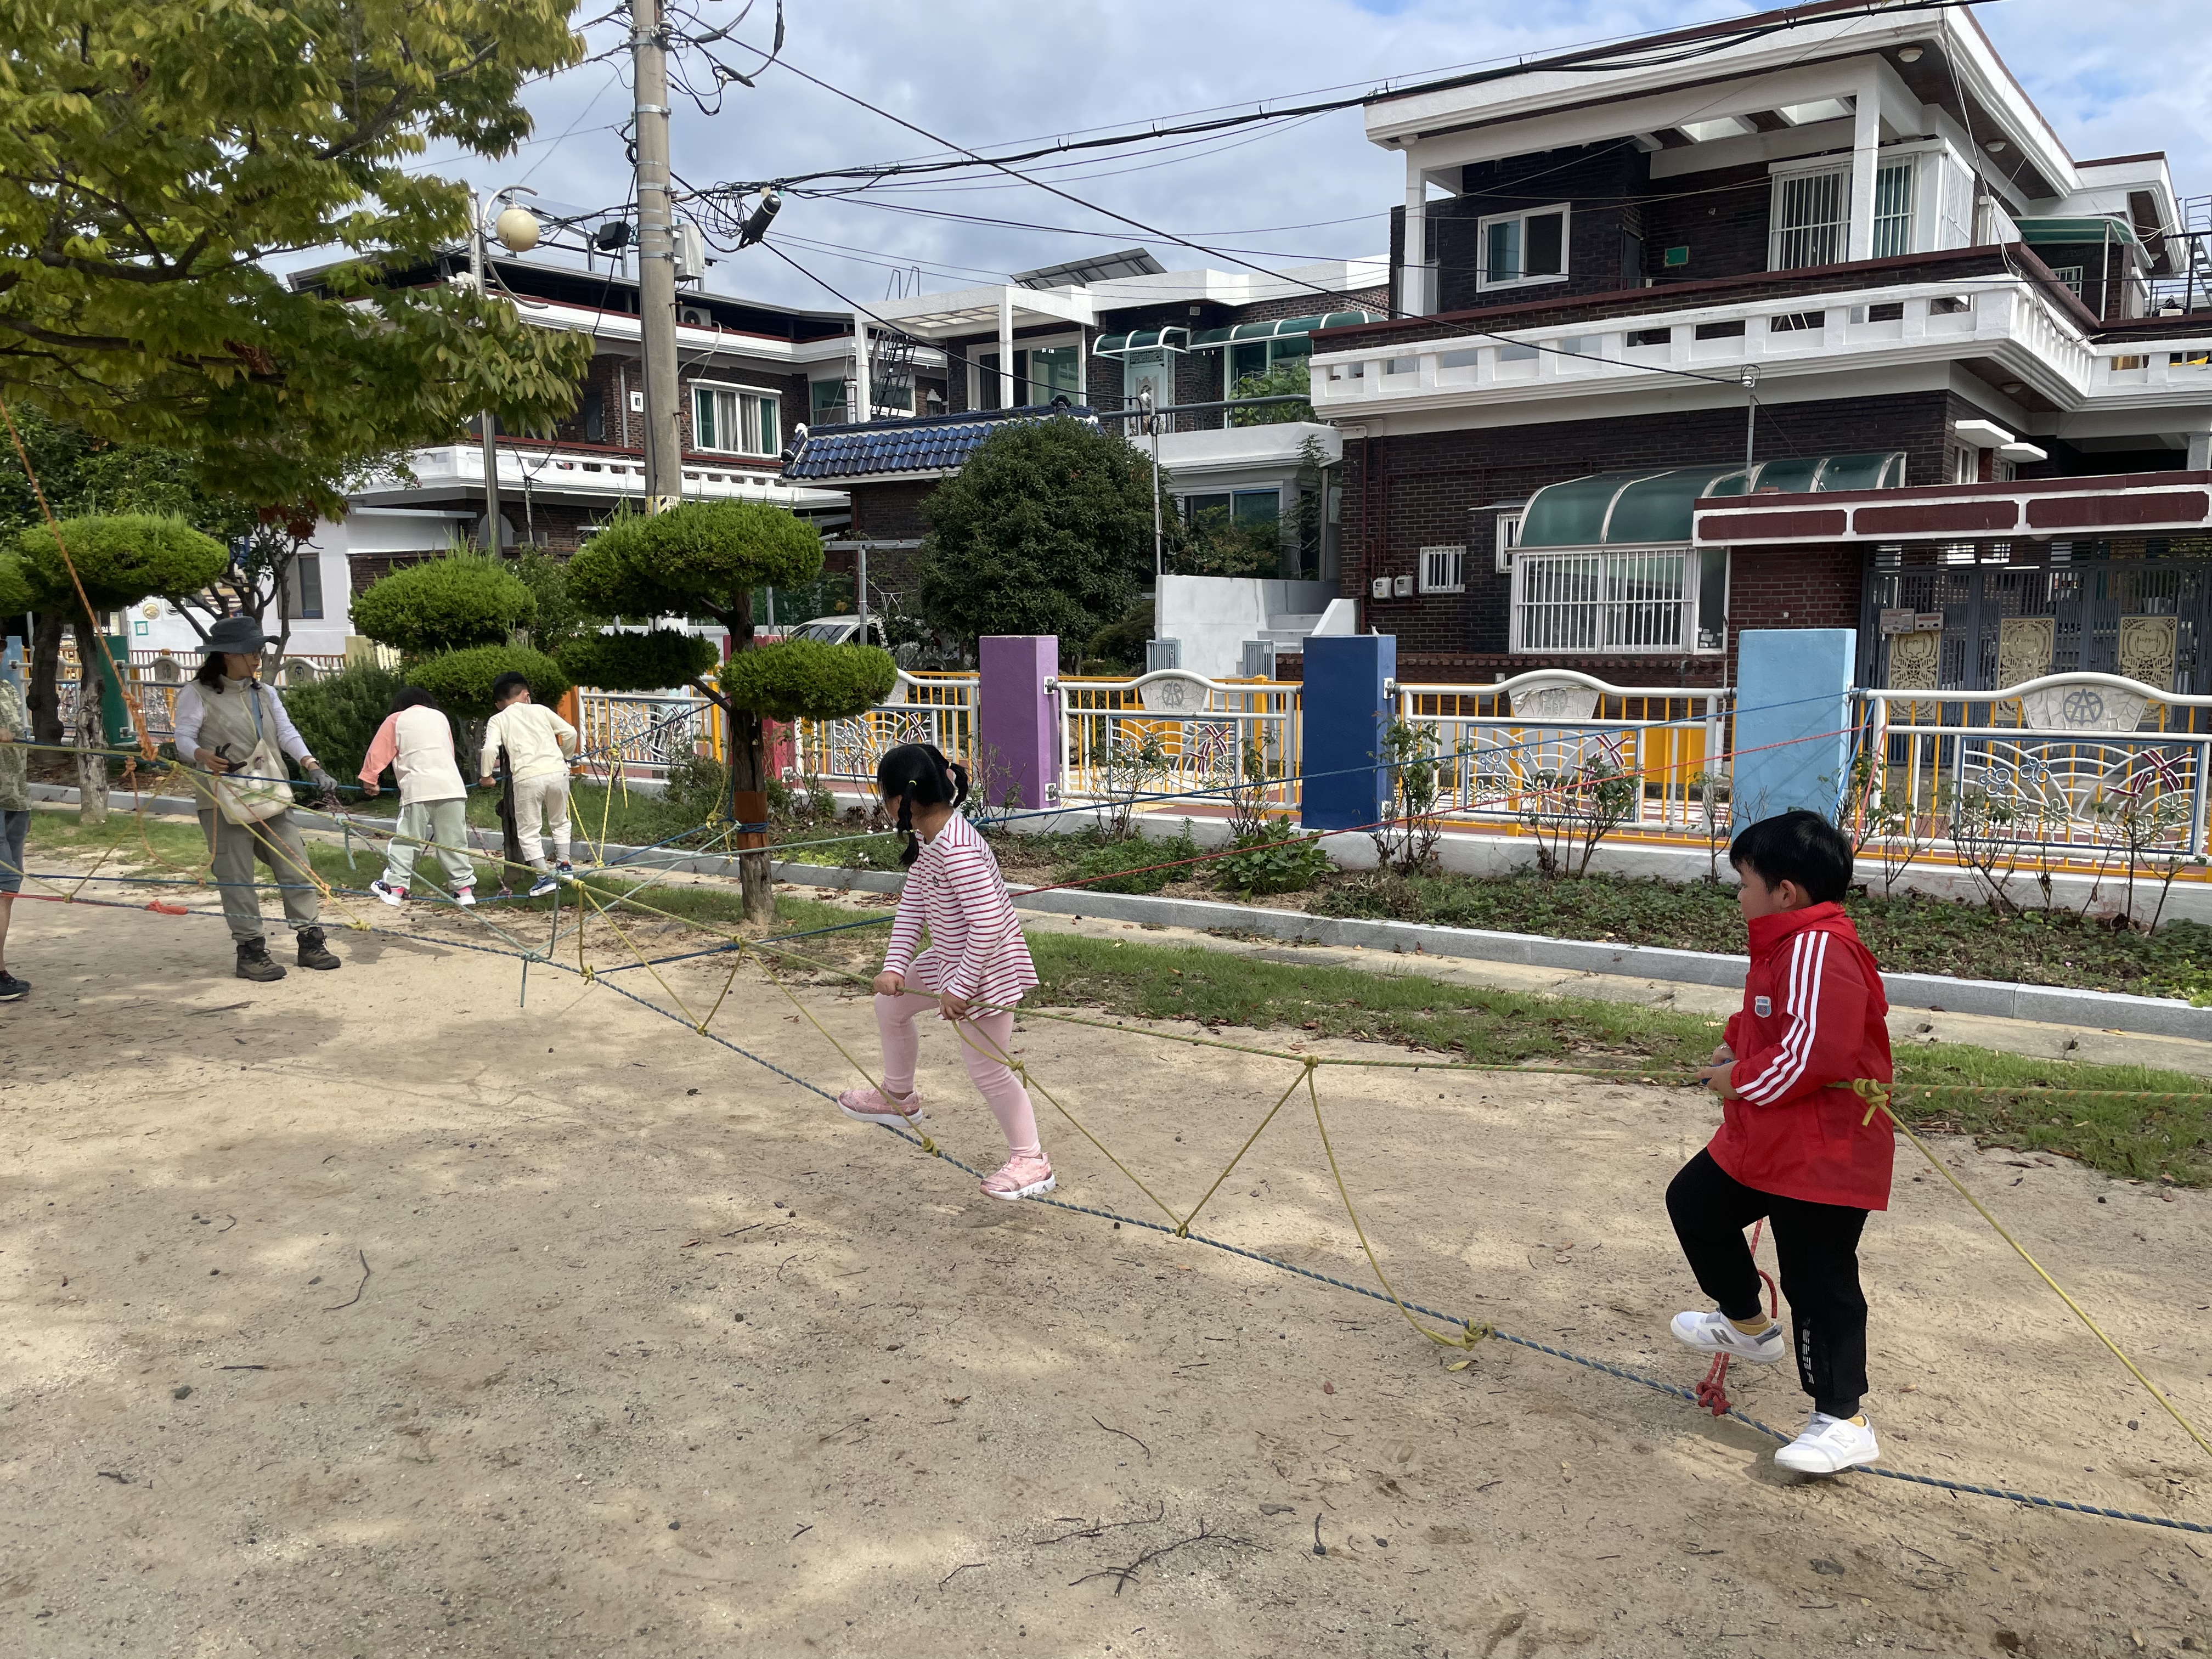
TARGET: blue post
(11,661)
(1793,736)
(1346,712)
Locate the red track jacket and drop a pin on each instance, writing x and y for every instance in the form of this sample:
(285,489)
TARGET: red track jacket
(1811,1021)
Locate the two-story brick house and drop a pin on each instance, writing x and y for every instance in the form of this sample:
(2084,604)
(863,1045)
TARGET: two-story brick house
(1838,242)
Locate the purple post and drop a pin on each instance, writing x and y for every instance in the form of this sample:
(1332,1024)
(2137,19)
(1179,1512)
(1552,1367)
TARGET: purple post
(1016,727)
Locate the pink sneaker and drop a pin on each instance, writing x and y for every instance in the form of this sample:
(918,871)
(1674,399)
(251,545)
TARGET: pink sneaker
(1021,1176)
(874,1106)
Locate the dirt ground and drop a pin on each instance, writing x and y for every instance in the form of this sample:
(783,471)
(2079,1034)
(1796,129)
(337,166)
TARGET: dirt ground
(655,1355)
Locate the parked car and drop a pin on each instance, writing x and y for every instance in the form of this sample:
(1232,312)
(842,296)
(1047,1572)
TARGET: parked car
(839,630)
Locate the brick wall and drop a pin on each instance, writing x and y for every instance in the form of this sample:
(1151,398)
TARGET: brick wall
(890,510)
(1721,216)
(1593,181)
(1404,493)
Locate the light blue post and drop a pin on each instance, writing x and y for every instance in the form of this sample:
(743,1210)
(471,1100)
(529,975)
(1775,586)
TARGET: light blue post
(1017,755)
(11,661)
(1345,715)
(1793,722)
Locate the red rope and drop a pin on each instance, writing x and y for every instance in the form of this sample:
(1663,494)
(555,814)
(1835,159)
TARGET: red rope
(1713,1392)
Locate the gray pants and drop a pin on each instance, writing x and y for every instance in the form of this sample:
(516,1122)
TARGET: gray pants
(442,825)
(233,848)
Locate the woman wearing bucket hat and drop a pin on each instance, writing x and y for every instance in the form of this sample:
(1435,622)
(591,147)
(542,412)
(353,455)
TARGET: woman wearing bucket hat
(235,729)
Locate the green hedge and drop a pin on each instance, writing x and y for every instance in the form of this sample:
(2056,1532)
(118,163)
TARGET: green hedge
(16,596)
(121,558)
(806,679)
(444,604)
(637,662)
(338,714)
(461,681)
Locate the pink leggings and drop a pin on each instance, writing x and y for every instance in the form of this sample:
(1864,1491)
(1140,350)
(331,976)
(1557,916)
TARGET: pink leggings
(983,1038)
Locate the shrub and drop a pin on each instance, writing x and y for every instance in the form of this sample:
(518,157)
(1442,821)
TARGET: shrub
(637,662)
(698,789)
(121,558)
(461,681)
(449,604)
(701,558)
(338,714)
(1133,855)
(806,679)
(1276,859)
(16,596)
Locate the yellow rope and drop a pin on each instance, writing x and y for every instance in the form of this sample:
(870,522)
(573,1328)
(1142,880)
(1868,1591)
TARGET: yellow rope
(1876,1096)
(1183,1230)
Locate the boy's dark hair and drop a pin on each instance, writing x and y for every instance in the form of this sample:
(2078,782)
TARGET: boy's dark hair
(1800,847)
(505,686)
(917,774)
(413,697)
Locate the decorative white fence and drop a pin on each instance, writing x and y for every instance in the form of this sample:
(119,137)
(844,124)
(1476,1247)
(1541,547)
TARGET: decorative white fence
(1545,743)
(630,736)
(2079,767)
(924,707)
(1173,730)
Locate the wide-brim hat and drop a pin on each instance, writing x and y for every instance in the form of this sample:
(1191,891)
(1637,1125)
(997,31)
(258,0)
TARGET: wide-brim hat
(241,635)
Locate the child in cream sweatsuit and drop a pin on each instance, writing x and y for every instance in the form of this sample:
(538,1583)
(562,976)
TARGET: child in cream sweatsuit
(538,744)
(416,742)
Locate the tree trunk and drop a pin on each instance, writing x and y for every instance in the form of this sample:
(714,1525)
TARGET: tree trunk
(45,700)
(91,737)
(748,805)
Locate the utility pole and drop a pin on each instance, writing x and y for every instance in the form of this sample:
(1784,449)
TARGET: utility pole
(656,259)
(1145,402)
(485,422)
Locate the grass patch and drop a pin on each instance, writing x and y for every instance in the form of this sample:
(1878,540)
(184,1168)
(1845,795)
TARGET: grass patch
(2120,1137)
(1909,933)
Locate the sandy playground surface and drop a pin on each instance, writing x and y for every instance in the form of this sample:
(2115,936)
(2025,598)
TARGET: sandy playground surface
(657,1356)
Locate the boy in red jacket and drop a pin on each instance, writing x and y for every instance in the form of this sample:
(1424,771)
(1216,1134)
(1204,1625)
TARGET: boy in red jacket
(1794,1145)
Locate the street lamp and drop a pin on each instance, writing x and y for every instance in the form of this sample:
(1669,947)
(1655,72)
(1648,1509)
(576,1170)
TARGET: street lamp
(517,229)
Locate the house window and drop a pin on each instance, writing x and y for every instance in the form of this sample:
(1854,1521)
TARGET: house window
(307,586)
(1796,322)
(1443,570)
(1892,209)
(1523,247)
(826,402)
(1253,514)
(1650,336)
(2071,277)
(1041,374)
(1650,599)
(1807,219)
(733,422)
(1509,538)
(1964,464)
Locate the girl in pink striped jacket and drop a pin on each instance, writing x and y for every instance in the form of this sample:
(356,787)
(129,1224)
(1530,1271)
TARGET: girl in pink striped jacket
(976,968)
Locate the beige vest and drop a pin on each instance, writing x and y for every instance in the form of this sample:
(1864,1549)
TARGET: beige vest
(226,721)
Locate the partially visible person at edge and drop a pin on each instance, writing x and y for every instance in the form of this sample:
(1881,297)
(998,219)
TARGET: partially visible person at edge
(224,715)
(1797,1145)
(416,742)
(537,745)
(15,822)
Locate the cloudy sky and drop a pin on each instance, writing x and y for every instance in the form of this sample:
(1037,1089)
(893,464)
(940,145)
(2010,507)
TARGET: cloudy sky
(2113,78)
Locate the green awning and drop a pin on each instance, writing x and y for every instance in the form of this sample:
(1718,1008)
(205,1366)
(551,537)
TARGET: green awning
(1207,339)
(1653,507)
(1150,339)
(2073,232)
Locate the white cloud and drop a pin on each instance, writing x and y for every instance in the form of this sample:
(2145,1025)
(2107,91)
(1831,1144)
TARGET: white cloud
(993,72)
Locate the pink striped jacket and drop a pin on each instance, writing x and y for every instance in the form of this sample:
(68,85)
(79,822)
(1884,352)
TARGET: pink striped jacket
(975,946)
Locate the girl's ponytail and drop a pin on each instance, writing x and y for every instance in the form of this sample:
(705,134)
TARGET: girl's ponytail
(906,822)
(918,775)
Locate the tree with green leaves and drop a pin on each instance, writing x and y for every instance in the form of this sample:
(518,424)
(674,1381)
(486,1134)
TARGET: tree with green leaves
(444,603)
(105,563)
(155,158)
(1289,378)
(1047,528)
(701,560)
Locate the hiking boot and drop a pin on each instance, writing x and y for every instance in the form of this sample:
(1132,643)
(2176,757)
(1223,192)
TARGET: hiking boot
(255,963)
(314,950)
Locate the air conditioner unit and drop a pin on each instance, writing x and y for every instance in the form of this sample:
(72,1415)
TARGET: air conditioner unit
(697,317)
(1258,660)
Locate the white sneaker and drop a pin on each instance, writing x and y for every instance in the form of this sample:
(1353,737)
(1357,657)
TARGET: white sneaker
(1715,1332)
(544,885)
(388,893)
(466,897)
(1829,1445)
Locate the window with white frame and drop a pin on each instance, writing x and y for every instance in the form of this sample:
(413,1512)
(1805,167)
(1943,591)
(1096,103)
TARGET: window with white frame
(735,422)
(1042,373)
(1528,247)
(2071,277)
(1628,600)
(1509,538)
(1809,218)
(306,585)
(1892,209)
(1443,570)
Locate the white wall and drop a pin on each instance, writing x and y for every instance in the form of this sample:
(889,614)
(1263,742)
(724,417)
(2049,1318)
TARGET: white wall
(1213,616)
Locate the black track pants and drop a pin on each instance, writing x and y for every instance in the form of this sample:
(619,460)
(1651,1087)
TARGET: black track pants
(1817,1245)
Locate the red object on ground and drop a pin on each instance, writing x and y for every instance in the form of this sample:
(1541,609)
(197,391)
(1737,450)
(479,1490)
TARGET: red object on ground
(169,909)
(1713,1392)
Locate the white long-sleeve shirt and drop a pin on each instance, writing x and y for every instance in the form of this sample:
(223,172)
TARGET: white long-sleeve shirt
(191,713)
(975,946)
(539,741)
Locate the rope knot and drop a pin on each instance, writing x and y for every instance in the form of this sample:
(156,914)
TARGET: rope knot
(1876,1095)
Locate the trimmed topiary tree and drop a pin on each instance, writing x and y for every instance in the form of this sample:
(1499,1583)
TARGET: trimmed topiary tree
(15,595)
(703,560)
(117,559)
(461,681)
(447,604)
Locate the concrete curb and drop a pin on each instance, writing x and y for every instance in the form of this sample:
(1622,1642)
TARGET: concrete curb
(2047,1004)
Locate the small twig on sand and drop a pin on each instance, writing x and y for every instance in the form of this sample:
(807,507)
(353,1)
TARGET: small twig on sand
(359,1288)
(1098,1528)
(955,1572)
(234,1221)
(808,1527)
(1124,1576)
(242,1368)
(1125,1435)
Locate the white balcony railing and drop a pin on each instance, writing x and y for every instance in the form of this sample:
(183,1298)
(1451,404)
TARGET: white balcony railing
(1174,731)
(932,709)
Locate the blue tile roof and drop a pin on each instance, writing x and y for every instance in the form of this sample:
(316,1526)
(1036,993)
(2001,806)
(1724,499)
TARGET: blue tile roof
(934,443)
